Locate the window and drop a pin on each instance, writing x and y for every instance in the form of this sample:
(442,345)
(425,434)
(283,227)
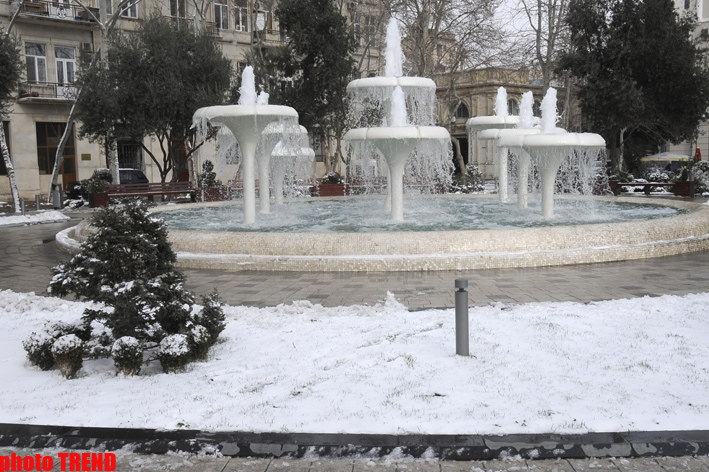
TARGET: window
(513,106)
(36,62)
(6,127)
(262,20)
(462,111)
(241,15)
(66,64)
(130,154)
(686,4)
(178,9)
(130,10)
(221,14)
(48,136)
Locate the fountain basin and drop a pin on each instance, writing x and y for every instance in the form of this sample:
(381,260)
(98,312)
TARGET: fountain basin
(436,250)
(388,84)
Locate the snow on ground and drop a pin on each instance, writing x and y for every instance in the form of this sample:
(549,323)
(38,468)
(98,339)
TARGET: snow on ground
(639,364)
(50,216)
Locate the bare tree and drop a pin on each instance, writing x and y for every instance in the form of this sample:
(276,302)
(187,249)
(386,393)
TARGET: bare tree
(546,33)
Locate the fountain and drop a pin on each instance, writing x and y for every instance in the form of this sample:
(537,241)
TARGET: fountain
(524,126)
(352,243)
(397,140)
(549,148)
(247,121)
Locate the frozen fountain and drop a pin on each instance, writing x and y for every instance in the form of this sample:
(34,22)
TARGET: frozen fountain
(289,155)
(549,148)
(398,140)
(247,121)
(525,125)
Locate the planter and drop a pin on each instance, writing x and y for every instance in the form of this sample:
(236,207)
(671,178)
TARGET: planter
(98,200)
(213,194)
(684,188)
(330,190)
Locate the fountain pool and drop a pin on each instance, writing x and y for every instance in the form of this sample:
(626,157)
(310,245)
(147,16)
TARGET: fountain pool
(419,250)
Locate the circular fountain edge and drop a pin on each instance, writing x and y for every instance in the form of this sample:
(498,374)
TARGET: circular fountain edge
(446,250)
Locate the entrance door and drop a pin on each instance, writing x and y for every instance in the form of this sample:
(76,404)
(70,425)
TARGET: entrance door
(48,137)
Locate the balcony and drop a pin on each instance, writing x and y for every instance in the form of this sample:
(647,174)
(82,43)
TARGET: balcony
(57,11)
(46,92)
(269,37)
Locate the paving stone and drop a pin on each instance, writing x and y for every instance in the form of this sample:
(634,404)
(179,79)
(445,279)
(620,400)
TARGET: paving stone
(557,465)
(238,464)
(374,466)
(418,466)
(593,465)
(288,465)
(640,464)
(332,466)
(175,463)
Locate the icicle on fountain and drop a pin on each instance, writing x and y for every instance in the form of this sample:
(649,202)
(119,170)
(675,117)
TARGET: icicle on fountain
(525,125)
(501,119)
(289,134)
(549,148)
(289,154)
(398,140)
(246,121)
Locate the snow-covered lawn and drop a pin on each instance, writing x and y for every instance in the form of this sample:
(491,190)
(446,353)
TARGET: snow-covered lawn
(640,364)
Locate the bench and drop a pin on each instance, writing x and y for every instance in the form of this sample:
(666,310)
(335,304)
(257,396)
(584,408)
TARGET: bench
(150,189)
(683,188)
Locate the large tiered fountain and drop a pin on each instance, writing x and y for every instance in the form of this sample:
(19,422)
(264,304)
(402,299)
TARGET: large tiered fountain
(247,121)
(396,138)
(549,148)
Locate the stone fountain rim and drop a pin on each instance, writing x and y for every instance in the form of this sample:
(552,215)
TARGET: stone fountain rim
(553,140)
(495,133)
(397,132)
(444,250)
(390,82)
(217,112)
(482,122)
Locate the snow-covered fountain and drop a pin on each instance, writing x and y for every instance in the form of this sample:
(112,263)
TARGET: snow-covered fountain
(247,121)
(396,137)
(524,125)
(549,148)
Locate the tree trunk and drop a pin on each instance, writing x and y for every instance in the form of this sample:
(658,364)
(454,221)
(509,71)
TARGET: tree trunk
(459,155)
(10,170)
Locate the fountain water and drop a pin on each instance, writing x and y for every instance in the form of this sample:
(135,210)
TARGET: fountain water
(287,157)
(549,149)
(246,121)
(398,140)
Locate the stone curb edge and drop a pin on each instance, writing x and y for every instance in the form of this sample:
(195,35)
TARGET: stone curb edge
(300,445)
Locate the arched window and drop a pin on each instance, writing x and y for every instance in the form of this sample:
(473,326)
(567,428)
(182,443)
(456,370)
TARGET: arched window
(462,111)
(513,106)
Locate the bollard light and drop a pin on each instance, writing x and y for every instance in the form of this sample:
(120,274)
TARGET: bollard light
(22,206)
(36,202)
(462,334)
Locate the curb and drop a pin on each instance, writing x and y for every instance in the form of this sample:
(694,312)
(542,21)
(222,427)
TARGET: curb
(299,445)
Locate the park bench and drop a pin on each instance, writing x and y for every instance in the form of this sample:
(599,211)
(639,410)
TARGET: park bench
(683,188)
(150,189)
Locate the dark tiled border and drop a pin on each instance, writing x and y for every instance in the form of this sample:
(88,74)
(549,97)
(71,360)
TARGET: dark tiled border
(445,447)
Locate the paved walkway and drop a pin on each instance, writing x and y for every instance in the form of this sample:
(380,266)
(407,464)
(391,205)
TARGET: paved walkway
(30,251)
(159,463)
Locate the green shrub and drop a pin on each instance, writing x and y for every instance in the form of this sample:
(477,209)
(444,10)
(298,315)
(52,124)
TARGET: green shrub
(208,178)
(39,345)
(471,182)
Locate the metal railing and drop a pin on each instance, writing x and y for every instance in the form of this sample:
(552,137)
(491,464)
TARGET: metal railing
(46,90)
(58,10)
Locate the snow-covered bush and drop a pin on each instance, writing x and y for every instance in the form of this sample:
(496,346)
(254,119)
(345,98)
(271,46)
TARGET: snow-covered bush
(68,352)
(127,354)
(39,345)
(128,267)
(471,182)
(200,341)
(174,353)
(700,171)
